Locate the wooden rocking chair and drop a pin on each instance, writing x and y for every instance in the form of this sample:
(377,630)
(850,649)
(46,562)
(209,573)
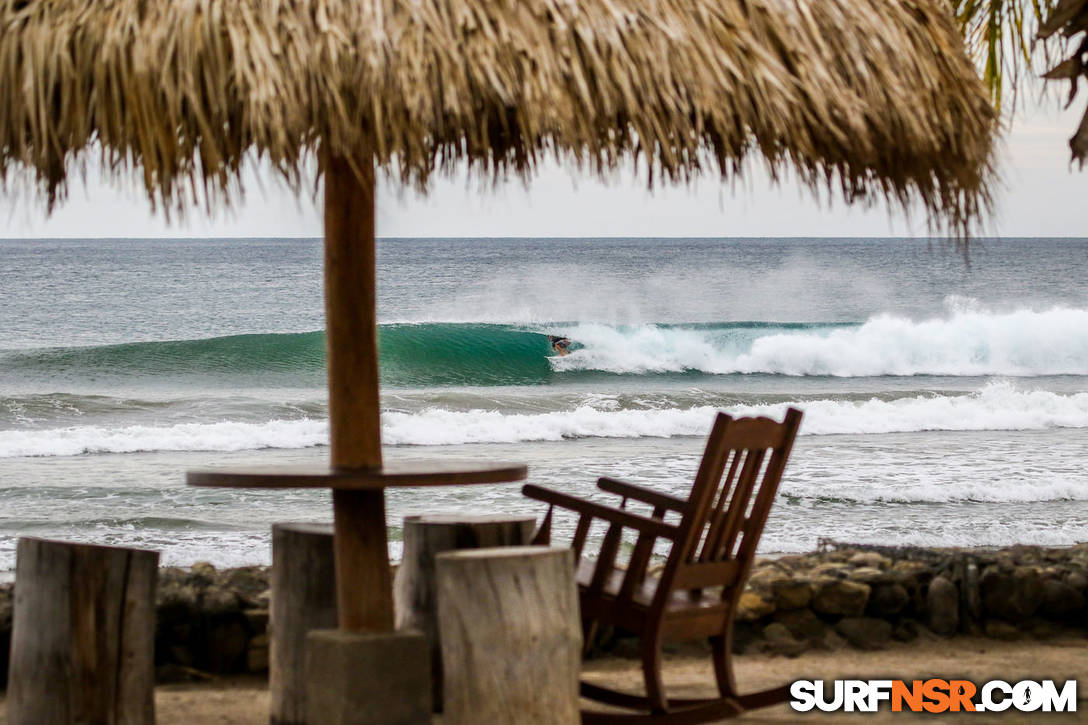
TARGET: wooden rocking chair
(713,546)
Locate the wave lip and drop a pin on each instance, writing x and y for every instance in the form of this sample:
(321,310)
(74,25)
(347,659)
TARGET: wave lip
(997,406)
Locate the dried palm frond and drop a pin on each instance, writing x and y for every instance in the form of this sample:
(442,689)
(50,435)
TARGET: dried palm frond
(876,97)
(999,36)
(1070,18)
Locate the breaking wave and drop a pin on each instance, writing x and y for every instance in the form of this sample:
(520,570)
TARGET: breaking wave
(997,406)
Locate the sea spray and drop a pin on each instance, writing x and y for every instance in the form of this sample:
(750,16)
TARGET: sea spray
(964,342)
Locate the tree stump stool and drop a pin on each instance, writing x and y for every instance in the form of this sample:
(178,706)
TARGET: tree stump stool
(414,587)
(303,599)
(83,635)
(511,637)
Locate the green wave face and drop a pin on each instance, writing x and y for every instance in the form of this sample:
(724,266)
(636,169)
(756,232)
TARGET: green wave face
(412,355)
(463,354)
(293,359)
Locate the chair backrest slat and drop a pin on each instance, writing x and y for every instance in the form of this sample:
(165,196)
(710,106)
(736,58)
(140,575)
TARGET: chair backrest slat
(581,531)
(716,530)
(727,507)
(742,498)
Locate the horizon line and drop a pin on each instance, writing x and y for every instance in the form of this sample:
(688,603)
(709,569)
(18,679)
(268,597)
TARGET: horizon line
(537,237)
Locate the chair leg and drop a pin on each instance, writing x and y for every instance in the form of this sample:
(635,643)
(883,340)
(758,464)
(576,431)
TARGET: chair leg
(720,651)
(589,631)
(651,672)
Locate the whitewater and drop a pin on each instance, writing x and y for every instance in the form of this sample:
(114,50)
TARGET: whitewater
(945,403)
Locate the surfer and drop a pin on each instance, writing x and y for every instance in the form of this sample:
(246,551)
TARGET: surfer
(560,344)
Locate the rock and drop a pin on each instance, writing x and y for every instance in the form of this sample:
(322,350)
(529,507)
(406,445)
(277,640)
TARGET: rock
(219,601)
(888,599)
(7,605)
(1060,599)
(839,570)
(180,654)
(778,640)
(1012,595)
(752,607)
(801,623)
(257,620)
(792,593)
(831,641)
(1077,580)
(263,600)
(180,673)
(248,583)
(840,597)
(906,630)
(792,561)
(868,575)
(865,632)
(257,654)
(766,577)
(227,644)
(918,570)
(176,600)
(203,570)
(744,637)
(870,559)
(943,606)
(972,598)
(776,631)
(997,629)
(1041,629)
(628,648)
(687,647)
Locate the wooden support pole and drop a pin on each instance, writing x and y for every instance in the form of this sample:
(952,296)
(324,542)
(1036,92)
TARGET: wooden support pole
(511,637)
(363,582)
(83,635)
(303,599)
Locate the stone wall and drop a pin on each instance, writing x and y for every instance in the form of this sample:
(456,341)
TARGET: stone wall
(212,621)
(868,596)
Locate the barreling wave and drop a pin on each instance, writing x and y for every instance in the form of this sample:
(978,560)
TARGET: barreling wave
(997,406)
(964,342)
(412,355)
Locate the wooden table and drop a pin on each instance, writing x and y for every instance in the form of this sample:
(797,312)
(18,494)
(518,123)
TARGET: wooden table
(362,548)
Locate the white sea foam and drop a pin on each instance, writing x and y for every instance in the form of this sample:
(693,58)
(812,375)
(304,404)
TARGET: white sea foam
(998,406)
(964,342)
(222,436)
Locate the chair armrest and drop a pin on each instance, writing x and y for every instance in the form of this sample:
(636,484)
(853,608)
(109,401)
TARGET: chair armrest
(644,524)
(645,495)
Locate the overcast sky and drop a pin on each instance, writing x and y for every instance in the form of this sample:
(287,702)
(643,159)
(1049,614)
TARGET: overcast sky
(1040,195)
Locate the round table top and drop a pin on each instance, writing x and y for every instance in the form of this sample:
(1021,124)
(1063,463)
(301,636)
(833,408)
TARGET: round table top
(393,473)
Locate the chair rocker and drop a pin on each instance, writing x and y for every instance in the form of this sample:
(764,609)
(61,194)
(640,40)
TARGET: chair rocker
(712,546)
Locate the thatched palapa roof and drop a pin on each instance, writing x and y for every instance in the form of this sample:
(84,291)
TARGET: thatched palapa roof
(877,96)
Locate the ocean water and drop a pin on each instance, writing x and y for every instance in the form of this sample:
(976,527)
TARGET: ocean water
(946,399)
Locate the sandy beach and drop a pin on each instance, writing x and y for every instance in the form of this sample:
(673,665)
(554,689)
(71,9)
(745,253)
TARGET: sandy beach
(244,700)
